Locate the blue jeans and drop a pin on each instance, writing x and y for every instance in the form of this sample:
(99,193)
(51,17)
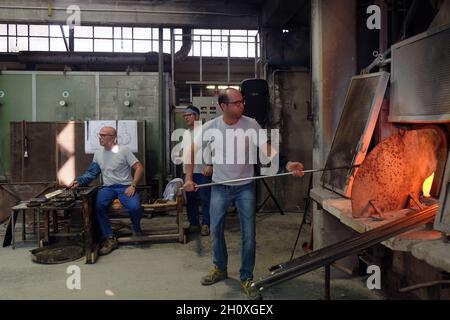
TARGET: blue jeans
(244,198)
(192,200)
(105,196)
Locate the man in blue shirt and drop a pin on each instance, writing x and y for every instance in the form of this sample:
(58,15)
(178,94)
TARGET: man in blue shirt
(114,162)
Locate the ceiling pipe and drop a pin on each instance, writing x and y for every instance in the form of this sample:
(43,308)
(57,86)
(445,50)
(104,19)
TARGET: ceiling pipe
(186,45)
(409,18)
(70,58)
(136,11)
(30,57)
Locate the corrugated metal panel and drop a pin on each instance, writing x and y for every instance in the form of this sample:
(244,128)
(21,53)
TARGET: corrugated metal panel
(351,141)
(420,82)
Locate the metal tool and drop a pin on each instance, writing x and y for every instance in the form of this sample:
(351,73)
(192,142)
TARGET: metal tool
(327,255)
(268,176)
(53,194)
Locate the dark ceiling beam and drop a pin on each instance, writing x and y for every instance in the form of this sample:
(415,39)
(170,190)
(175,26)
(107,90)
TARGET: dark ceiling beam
(277,13)
(177,13)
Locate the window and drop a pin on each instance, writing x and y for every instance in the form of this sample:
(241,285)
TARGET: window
(220,43)
(38,44)
(3,29)
(3,44)
(83,32)
(83,45)
(205,42)
(103,45)
(142,45)
(55,31)
(57,44)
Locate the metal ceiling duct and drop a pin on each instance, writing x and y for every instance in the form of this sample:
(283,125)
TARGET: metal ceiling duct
(70,58)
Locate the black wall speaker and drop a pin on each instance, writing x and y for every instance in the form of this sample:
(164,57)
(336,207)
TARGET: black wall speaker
(256,99)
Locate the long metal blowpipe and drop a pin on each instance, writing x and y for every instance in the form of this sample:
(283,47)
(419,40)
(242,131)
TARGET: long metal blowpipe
(268,176)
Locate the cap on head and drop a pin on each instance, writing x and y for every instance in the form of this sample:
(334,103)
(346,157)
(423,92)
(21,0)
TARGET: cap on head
(193,110)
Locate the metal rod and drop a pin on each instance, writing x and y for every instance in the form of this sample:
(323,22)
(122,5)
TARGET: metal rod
(228,59)
(201,65)
(72,39)
(305,212)
(161,102)
(273,197)
(22,169)
(64,38)
(34,221)
(337,251)
(24,231)
(172,63)
(424,285)
(39,227)
(256,56)
(268,176)
(13,230)
(327,282)
(335,265)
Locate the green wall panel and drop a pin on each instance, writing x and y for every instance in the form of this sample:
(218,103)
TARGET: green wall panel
(78,91)
(141,91)
(15,105)
(82,93)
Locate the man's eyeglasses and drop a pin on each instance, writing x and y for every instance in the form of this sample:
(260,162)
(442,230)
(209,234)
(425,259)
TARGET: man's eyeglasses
(100,135)
(236,103)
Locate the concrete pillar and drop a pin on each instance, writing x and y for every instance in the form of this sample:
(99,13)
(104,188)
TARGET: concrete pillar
(333,41)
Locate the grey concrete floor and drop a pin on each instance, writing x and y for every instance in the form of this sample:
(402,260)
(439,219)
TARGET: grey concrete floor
(172,270)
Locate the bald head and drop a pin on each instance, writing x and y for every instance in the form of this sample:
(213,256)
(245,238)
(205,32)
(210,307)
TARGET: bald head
(224,95)
(108,130)
(107,137)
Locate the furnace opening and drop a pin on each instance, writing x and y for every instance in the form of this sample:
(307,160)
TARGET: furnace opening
(403,171)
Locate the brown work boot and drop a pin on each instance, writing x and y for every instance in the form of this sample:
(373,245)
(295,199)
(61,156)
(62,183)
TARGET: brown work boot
(251,292)
(215,275)
(107,246)
(205,230)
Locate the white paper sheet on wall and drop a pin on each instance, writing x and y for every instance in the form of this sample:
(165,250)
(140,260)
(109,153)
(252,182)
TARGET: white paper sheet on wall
(126,134)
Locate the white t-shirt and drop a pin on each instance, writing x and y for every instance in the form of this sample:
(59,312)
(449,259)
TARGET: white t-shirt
(115,166)
(188,138)
(238,159)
